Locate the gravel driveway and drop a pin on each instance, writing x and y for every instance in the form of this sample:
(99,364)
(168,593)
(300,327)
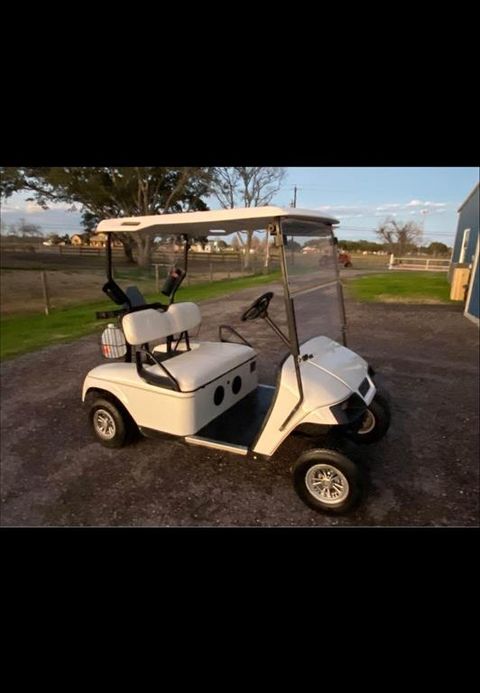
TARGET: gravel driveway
(425,472)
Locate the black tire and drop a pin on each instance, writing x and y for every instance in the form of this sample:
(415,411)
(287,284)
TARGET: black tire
(307,470)
(375,423)
(117,423)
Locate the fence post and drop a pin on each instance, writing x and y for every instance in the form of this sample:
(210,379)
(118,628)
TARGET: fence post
(428,262)
(390,264)
(45,292)
(211,271)
(156,278)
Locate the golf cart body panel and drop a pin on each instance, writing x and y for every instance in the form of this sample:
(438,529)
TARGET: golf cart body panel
(168,411)
(330,374)
(338,361)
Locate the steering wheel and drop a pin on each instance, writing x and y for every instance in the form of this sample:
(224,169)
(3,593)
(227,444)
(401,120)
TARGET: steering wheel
(258,308)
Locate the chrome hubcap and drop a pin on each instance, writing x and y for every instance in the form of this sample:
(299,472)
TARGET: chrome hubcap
(327,484)
(368,423)
(104,424)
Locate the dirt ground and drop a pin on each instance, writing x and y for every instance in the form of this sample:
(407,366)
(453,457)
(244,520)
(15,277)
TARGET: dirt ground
(423,473)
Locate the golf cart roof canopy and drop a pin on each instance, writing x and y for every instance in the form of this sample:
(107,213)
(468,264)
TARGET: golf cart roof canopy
(219,221)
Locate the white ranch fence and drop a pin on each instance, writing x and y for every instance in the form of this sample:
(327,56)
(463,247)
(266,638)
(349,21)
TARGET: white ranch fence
(419,263)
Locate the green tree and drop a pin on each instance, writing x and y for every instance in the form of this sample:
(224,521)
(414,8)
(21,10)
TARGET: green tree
(437,248)
(55,238)
(107,192)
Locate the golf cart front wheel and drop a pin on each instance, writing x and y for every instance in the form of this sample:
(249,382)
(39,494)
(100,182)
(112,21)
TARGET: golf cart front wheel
(327,481)
(374,424)
(111,423)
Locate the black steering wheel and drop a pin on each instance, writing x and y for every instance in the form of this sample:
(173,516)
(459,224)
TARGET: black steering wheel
(259,308)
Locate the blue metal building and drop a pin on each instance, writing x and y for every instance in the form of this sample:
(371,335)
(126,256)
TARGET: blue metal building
(466,250)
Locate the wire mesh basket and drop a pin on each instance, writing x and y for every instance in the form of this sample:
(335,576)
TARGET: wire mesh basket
(112,342)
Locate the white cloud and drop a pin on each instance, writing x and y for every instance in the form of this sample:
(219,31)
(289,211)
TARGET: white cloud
(343,210)
(5,207)
(32,208)
(386,207)
(427,203)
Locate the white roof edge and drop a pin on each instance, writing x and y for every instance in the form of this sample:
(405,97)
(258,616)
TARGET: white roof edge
(468,197)
(226,220)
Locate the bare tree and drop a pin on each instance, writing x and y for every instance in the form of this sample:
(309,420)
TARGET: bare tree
(29,230)
(246,186)
(399,236)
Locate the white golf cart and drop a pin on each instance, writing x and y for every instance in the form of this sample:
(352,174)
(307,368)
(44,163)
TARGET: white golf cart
(207,392)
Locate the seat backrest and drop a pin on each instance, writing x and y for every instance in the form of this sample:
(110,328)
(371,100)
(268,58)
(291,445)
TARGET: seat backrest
(184,317)
(145,326)
(149,325)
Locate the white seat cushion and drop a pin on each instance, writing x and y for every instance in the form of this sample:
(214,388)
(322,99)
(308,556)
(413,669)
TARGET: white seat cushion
(206,362)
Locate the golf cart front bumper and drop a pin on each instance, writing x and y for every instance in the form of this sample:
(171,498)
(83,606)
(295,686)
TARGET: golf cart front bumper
(349,411)
(354,407)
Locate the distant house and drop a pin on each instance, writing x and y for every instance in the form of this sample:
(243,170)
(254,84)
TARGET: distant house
(94,240)
(210,247)
(466,250)
(98,240)
(80,239)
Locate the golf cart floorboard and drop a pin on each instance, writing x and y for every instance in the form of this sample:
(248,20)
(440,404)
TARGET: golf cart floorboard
(240,424)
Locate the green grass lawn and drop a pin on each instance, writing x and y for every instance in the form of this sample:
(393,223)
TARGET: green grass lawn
(23,333)
(400,287)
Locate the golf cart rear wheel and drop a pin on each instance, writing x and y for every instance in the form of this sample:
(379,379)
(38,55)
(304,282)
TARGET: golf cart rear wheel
(375,422)
(111,424)
(327,481)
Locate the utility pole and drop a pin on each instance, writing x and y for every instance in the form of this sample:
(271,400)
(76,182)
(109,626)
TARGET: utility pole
(294,203)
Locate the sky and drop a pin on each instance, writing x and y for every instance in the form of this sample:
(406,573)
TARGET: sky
(360,198)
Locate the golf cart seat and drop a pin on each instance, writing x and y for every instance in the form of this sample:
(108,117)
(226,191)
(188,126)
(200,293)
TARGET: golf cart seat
(188,370)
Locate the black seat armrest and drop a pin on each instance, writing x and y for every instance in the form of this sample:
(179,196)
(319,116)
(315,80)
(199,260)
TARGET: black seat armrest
(233,331)
(167,381)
